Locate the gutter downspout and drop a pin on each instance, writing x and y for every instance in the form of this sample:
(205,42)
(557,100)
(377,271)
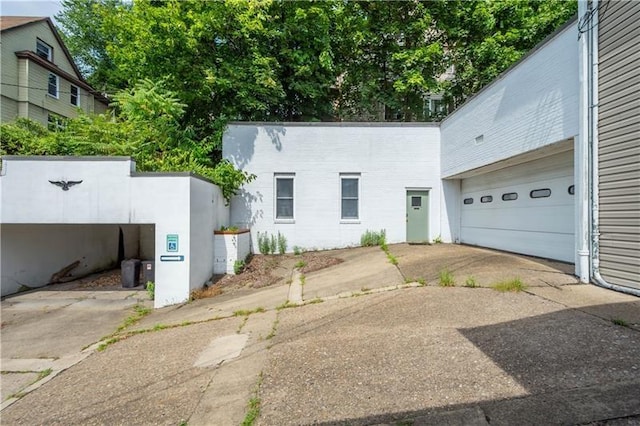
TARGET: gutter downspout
(593,100)
(581,158)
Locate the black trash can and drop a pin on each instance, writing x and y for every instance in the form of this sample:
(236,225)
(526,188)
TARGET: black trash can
(130,273)
(148,271)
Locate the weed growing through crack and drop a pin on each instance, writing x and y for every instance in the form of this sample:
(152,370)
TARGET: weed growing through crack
(247,312)
(373,238)
(515,285)
(471,282)
(274,329)
(314,301)
(303,279)
(422,281)
(287,304)
(445,278)
(620,322)
(365,289)
(242,324)
(253,406)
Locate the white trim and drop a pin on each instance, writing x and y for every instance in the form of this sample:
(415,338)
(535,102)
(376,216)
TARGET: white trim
(343,176)
(276,177)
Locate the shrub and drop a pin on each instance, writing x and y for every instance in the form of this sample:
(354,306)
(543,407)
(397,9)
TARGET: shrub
(282,243)
(238,266)
(373,238)
(263,243)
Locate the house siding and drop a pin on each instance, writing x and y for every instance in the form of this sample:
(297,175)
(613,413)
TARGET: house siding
(533,105)
(388,159)
(619,143)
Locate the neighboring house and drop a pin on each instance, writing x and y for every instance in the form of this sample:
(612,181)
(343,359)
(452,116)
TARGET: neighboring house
(508,169)
(39,79)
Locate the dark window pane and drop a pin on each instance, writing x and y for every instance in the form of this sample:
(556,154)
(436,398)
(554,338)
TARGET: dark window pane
(486,199)
(284,209)
(416,201)
(468,201)
(284,188)
(349,188)
(510,196)
(350,209)
(540,193)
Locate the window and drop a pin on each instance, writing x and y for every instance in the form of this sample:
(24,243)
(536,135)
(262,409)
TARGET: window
(52,89)
(284,196)
(75,96)
(416,201)
(572,190)
(349,190)
(468,201)
(540,193)
(44,50)
(510,196)
(486,199)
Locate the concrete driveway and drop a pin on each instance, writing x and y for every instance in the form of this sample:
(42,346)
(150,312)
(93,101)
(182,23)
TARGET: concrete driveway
(366,343)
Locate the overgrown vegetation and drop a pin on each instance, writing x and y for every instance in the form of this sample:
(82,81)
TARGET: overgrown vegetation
(515,285)
(272,244)
(373,238)
(297,250)
(446,279)
(238,266)
(151,290)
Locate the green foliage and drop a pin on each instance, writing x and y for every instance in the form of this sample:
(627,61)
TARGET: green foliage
(620,322)
(151,290)
(437,240)
(515,285)
(238,266)
(273,244)
(445,278)
(300,264)
(470,282)
(373,238)
(263,243)
(297,250)
(282,243)
(148,129)
(304,61)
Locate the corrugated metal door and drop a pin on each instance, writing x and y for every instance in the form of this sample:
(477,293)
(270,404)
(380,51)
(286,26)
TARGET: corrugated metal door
(528,208)
(619,142)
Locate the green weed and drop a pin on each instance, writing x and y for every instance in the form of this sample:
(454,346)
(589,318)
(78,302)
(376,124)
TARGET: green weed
(373,238)
(445,278)
(470,282)
(300,264)
(238,266)
(515,285)
(620,322)
(151,290)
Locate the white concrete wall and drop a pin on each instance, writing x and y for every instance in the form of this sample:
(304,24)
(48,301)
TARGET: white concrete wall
(110,193)
(228,249)
(389,158)
(532,105)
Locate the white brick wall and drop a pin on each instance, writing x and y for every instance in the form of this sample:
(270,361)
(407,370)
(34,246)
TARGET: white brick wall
(533,105)
(389,158)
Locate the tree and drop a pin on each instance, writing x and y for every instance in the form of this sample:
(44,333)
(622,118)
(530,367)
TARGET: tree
(148,128)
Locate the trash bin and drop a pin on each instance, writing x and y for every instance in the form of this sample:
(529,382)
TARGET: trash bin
(130,273)
(148,271)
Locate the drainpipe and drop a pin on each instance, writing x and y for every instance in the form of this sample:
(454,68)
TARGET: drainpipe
(581,159)
(593,100)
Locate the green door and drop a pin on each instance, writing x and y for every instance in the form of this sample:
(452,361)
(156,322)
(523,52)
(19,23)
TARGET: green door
(418,217)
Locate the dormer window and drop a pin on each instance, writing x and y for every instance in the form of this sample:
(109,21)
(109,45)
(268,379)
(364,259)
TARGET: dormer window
(44,50)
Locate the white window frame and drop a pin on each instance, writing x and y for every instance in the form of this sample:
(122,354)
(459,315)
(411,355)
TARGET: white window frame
(276,178)
(357,177)
(57,87)
(42,47)
(77,96)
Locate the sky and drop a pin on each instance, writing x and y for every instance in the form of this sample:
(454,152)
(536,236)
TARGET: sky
(30,7)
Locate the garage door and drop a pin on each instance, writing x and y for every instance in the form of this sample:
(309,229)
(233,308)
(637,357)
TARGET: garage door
(527,208)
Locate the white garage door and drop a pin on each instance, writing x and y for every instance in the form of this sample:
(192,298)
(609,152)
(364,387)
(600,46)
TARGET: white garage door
(527,208)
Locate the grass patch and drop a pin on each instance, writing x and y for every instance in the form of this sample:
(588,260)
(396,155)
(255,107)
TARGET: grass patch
(422,281)
(445,278)
(247,312)
(300,264)
(286,305)
(392,259)
(620,322)
(42,374)
(253,406)
(471,282)
(303,279)
(373,238)
(242,324)
(515,285)
(314,301)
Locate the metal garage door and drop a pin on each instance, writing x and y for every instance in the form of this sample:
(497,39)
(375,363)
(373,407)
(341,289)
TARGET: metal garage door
(527,208)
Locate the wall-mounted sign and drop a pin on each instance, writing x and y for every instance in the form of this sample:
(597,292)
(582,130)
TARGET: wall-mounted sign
(172,242)
(171,258)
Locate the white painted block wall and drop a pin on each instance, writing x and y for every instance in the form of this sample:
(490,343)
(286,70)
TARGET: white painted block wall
(533,105)
(228,249)
(389,158)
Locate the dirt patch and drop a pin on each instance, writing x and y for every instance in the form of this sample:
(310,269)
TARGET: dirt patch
(265,270)
(318,260)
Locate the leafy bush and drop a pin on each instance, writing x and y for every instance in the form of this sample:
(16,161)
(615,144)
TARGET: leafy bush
(238,266)
(263,243)
(282,243)
(373,238)
(151,290)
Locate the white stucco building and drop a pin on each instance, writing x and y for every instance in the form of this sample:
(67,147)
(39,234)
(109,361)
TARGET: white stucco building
(110,213)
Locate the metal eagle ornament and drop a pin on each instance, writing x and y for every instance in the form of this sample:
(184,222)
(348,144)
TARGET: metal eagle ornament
(65,184)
